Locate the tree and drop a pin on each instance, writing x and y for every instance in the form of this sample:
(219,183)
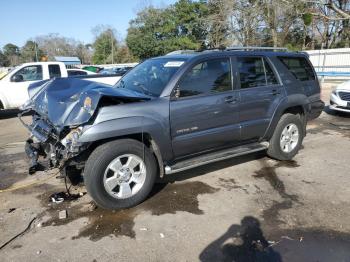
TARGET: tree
(56,45)
(11,51)
(105,45)
(157,31)
(3,60)
(30,52)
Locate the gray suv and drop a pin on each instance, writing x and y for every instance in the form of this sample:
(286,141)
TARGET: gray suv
(169,114)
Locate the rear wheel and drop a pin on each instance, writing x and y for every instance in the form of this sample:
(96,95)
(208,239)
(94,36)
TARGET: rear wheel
(120,174)
(287,138)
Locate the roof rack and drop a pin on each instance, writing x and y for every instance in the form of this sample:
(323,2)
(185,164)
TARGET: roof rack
(262,48)
(181,52)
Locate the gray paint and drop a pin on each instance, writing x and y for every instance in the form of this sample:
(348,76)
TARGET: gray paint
(182,127)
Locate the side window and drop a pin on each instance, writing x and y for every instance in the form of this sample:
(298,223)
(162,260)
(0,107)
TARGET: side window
(54,71)
(211,76)
(299,67)
(255,71)
(29,73)
(251,71)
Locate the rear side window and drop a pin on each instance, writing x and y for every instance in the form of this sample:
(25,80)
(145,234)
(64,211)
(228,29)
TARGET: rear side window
(54,71)
(299,67)
(211,76)
(255,71)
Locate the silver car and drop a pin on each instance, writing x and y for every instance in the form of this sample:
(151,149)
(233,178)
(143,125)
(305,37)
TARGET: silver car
(340,98)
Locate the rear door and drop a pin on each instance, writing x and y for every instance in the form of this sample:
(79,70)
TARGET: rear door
(260,94)
(204,114)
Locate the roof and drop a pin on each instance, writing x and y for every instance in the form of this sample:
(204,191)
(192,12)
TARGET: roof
(68,60)
(216,53)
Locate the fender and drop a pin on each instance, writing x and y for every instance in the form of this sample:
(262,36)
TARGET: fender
(129,126)
(285,103)
(4,101)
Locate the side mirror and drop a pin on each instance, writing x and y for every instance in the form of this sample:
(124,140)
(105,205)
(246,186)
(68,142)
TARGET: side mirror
(17,78)
(177,92)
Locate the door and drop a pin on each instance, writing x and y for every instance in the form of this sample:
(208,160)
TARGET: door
(204,115)
(260,94)
(17,89)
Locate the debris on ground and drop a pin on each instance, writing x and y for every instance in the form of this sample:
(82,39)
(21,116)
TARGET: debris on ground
(144,229)
(161,235)
(62,196)
(62,214)
(11,210)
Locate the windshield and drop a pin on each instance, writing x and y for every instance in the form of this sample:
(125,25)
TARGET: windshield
(151,76)
(3,74)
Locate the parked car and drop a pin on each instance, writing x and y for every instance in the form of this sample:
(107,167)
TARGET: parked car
(79,72)
(340,98)
(170,114)
(14,86)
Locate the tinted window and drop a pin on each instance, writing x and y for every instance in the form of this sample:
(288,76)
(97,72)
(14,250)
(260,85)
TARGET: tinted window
(255,71)
(299,67)
(54,71)
(76,73)
(207,77)
(31,73)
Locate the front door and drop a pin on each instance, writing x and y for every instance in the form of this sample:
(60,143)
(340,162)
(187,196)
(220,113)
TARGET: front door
(204,115)
(17,89)
(260,94)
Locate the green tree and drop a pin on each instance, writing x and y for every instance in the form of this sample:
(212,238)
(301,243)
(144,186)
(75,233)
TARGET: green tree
(157,31)
(11,51)
(105,47)
(3,60)
(30,52)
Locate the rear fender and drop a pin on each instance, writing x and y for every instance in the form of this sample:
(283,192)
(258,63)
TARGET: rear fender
(288,102)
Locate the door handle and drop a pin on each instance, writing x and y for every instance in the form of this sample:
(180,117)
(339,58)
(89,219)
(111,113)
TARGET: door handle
(230,99)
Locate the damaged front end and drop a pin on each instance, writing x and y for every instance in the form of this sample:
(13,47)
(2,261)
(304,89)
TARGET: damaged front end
(62,109)
(57,148)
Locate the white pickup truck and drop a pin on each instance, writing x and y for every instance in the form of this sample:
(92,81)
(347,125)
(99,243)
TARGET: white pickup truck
(14,86)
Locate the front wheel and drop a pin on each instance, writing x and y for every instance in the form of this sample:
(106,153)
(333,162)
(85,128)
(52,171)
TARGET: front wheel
(287,138)
(120,174)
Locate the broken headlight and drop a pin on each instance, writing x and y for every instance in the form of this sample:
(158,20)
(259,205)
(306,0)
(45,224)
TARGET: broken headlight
(70,142)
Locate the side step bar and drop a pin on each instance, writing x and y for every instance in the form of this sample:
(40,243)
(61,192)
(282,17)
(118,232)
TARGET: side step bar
(214,157)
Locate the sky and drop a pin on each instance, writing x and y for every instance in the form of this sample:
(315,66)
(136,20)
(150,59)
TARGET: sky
(24,19)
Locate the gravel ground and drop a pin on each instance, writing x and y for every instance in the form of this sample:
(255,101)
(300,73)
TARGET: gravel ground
(250,208)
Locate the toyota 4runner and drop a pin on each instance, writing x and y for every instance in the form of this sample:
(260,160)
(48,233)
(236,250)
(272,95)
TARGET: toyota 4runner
(169,114)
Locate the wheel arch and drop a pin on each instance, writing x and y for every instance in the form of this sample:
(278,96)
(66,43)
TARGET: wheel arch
(144,138)
(297,104)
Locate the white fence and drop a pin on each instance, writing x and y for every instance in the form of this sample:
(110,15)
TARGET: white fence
(331,64)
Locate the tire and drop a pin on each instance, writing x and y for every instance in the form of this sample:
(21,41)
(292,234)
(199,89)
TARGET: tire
(100,179)
(277,149)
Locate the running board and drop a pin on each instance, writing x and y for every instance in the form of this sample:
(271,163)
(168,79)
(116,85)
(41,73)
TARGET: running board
(214,157)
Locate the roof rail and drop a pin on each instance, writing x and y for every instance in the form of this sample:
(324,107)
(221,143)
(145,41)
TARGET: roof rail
(262,48)
(180,52)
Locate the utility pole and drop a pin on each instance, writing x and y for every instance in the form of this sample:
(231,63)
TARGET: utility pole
(36,52)
(112,47)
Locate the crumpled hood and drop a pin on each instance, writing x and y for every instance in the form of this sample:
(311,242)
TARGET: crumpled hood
(71,101)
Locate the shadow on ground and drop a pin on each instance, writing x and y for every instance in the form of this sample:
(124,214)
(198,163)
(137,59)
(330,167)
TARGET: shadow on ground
(9,113)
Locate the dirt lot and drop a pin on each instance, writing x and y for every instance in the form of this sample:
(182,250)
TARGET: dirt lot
(246,209)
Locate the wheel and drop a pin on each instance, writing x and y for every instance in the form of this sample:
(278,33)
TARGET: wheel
(120,174)
(287,138)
